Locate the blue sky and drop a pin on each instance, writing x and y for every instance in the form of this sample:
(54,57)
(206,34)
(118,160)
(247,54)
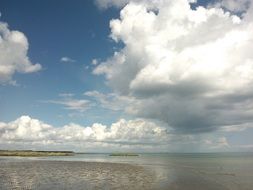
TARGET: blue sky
(77,30)
(172,75)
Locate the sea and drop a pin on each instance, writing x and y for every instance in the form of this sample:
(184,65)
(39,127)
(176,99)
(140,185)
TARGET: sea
(182,171)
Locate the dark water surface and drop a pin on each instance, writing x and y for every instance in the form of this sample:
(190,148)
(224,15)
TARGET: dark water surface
(212,171)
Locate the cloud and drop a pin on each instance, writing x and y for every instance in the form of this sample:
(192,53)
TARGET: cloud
(13,55)
(105,4)
(109,101)
(234,5)
(67,60)
(124,135)
(94,62)
(191,69)
(71,103)
(121,133)
(221,142)
(236,128)
(247,147)
(66,95)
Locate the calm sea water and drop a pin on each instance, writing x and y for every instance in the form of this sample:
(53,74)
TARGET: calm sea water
(216,171)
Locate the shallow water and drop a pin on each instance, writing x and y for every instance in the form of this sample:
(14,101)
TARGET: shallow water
(214,171)
(72,175)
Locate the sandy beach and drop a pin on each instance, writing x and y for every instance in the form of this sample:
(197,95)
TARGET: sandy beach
(73,175)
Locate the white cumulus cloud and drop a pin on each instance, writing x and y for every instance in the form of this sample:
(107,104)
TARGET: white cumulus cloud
(13,54)
(192,69)
(124,135)
(121,133)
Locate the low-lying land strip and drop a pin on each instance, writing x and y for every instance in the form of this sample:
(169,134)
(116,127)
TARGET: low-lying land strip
(124,154)
(31,153)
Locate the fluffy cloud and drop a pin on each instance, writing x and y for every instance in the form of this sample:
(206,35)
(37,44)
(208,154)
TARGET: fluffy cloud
(13,55)
(192,69)
(132,135)
(121,133)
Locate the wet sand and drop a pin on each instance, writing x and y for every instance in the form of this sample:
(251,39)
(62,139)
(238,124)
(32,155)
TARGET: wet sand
(73,175)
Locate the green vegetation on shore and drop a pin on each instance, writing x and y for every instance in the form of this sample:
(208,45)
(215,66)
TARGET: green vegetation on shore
(31,153)
(124,154)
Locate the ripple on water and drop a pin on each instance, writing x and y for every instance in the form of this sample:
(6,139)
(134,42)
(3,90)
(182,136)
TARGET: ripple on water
(73,175)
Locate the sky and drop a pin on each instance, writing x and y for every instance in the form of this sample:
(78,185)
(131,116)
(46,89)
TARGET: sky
(126,75)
